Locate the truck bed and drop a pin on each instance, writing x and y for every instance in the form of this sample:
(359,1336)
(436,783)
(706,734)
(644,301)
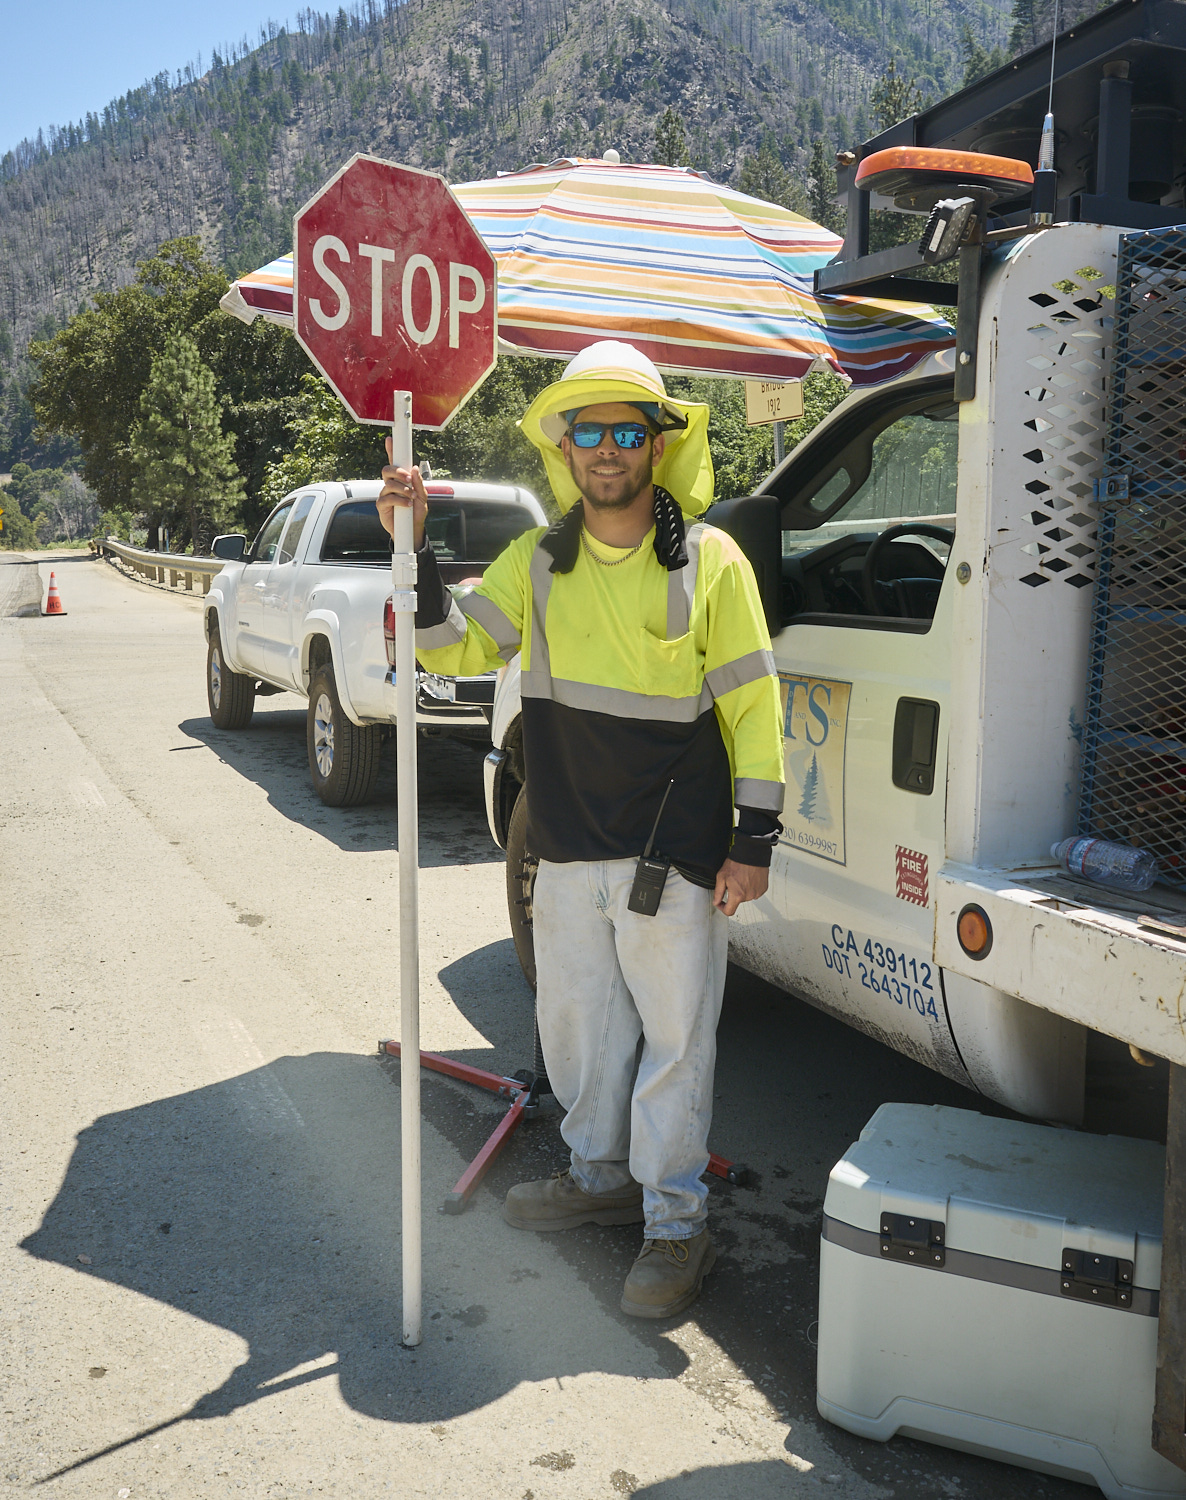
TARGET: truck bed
(1111,960)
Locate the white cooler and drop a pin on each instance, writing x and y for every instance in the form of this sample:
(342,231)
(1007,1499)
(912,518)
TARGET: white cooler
(992,1286)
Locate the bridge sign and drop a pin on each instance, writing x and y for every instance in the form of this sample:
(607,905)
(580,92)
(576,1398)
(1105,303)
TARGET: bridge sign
(393,290)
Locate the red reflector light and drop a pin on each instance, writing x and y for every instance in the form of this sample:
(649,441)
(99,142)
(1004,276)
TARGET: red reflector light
(438,489)
(915,177)
(389,630)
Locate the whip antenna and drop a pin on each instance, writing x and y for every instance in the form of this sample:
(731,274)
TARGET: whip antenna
(1045,194)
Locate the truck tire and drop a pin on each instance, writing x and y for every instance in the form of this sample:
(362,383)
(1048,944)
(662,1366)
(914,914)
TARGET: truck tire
(521,868)
(231,695)
(343,757)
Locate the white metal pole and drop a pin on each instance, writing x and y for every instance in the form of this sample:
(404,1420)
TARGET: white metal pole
(403,579)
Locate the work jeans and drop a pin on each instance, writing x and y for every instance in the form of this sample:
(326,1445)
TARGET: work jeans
(607,978)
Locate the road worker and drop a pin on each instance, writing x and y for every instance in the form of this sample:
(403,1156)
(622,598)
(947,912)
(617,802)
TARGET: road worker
(646,669)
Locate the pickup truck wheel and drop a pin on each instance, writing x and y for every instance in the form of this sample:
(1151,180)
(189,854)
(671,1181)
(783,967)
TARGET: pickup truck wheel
(231,695)
(521,868)
(343,757)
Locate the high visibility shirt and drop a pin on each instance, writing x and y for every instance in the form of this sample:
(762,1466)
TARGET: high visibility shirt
(634,673)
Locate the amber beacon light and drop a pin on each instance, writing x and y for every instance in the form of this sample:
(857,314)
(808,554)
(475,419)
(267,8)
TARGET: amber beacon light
(974,931)
(916,177)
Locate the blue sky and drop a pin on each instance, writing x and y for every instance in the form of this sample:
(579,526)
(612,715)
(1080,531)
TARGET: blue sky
(64,57)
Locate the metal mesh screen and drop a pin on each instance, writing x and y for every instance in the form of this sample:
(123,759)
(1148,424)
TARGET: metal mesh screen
(1134,762)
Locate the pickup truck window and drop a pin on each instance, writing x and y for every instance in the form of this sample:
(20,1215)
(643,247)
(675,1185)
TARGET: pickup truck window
(295,528)
(474,531)
(264,547)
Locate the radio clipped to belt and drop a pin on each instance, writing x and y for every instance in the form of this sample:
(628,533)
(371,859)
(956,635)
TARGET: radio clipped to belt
(651,875)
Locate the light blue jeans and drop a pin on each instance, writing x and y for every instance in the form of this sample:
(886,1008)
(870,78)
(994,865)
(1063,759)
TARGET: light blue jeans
(606,979)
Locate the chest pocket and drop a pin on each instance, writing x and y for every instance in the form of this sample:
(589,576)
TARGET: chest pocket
(669,669)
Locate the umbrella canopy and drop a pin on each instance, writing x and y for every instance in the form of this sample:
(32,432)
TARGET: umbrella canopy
(703,279)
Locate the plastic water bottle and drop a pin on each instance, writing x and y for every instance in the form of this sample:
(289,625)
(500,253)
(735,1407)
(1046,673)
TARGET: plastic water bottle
(1103,863)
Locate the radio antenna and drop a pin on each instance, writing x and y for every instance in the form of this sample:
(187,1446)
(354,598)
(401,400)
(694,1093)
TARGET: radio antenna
(1044,198)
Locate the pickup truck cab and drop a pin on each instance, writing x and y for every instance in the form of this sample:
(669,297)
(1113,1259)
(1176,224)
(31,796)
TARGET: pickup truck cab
(306,609)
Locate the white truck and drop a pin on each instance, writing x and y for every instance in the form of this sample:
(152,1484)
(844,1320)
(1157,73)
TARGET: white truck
(306,609)
(928,559)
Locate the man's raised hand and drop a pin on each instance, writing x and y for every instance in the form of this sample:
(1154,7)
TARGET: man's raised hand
(402,487)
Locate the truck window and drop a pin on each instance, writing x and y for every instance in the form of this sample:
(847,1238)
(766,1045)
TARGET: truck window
(898,471)
(472,531)
(263,549)
(295,528)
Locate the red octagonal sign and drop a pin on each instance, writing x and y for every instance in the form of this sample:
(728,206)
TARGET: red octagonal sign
(393,290)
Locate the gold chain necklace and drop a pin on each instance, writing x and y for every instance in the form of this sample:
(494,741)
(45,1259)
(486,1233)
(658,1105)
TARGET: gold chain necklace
(604,563)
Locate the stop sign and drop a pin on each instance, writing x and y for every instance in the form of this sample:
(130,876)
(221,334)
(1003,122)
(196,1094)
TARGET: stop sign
(393,290)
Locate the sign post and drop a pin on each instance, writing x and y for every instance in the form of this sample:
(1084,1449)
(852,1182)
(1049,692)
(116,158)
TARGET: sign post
(394,302)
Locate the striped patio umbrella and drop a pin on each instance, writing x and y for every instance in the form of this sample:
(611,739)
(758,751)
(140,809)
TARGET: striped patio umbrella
(704,279)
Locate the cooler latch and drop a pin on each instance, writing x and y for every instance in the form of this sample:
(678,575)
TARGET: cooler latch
(907,1238)
(1096,1278)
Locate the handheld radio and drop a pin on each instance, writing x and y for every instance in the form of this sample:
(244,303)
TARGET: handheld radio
(651,875)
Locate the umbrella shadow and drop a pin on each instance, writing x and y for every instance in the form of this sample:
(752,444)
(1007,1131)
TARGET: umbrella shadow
(267,1205)
(271,753)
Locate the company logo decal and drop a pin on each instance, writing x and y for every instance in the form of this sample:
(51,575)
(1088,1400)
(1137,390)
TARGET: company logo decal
(815,732)
(912,876)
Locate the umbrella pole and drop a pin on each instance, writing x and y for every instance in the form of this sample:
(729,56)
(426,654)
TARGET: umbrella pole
(403,578)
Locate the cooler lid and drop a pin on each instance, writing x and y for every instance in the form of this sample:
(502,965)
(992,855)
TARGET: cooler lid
(1004,1189)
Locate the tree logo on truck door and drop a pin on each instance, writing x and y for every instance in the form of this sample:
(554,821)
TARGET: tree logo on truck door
(815,733)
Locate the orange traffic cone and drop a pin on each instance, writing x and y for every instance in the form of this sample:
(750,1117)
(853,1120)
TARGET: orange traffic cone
(53,603)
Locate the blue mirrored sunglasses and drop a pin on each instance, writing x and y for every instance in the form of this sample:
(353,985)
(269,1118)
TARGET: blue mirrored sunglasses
(626,434)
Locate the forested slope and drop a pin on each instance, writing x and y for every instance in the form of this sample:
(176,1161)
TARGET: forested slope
(226,151)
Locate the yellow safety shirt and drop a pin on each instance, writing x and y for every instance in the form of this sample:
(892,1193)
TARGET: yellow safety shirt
(637,668)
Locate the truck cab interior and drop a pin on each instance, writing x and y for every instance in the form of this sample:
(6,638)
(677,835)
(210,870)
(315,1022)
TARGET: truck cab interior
(867,513)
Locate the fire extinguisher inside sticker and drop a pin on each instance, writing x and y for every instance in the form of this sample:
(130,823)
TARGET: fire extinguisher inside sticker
(815,729)
(912,876)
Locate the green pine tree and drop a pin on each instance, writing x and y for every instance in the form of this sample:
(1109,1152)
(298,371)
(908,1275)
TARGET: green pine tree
(671,140)
(821,187)
(894,98)
(764,176)
(184,465)
(810,790)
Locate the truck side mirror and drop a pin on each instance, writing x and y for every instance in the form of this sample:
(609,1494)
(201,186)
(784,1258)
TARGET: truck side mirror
(755,524)
(230,547)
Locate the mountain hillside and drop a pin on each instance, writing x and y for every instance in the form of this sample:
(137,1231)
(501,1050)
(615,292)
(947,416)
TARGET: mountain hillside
(460,86)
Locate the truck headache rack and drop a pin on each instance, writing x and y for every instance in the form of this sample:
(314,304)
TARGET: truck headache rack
(1134,760)
(1119,108)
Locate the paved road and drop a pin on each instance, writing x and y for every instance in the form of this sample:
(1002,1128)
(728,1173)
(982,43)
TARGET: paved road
(201,1261)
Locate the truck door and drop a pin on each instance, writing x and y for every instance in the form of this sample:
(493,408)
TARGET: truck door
(864,664)
(249,605)
(277,625)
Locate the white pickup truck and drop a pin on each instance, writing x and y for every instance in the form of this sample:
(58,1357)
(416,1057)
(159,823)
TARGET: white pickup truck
(306,609)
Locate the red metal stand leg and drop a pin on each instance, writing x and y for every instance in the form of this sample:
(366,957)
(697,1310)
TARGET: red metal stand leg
(732,1171)
(494,1082)
(477,1169)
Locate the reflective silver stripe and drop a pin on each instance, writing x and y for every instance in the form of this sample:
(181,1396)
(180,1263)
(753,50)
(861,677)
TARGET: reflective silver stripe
(749,791)
(619,702)
(737,673)
(537,680)
(681,586)
(450,632)
(492,620)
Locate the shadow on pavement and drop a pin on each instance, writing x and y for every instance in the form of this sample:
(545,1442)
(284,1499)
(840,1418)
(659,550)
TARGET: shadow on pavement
(271,753)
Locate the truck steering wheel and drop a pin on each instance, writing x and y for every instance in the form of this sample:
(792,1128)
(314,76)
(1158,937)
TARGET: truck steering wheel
(879,543)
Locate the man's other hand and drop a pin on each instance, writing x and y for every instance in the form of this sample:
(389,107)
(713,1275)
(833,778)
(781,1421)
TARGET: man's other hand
(402,487)
(737,883)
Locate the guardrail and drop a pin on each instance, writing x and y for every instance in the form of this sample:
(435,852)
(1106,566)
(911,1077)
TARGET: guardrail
(156,565)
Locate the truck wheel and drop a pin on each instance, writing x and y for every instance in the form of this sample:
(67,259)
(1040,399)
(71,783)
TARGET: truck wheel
(343,757)
(231,695)
(521,868)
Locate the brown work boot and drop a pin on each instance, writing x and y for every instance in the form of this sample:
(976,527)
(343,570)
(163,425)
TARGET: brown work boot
(666,1277)
(558,1203)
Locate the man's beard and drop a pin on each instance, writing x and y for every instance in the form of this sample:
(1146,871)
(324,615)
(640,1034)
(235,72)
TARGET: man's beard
(619,502)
